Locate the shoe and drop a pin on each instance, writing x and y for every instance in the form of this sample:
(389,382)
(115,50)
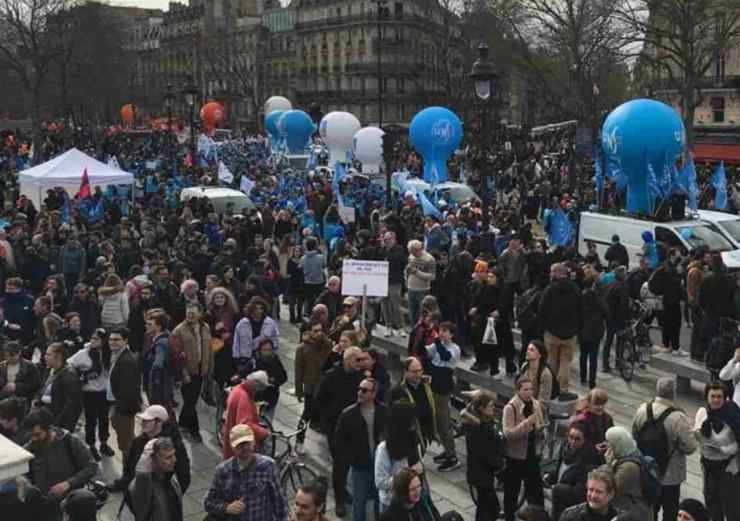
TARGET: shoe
(591,385)
(94,452)
(511,370)
(340,510)
(439,458)
(448,465)
(606,368)
(466,353)
(401,333)
(195,435)
(679,354)
(299,449)
(106,451)
(479,367)
(497,376)
(567,397)
(388,332)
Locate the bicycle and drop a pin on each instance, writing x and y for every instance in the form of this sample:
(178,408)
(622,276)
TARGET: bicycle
(633,342)
(294,473)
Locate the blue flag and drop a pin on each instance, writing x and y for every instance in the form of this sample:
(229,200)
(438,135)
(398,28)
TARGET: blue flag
(65,207)
(719,183)
(428,208)
(598,175)
(688,174)
(561,229)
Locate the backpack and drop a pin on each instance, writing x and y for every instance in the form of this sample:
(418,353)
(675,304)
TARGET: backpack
(527,307)
(649,477)
(555,383)
(652,439)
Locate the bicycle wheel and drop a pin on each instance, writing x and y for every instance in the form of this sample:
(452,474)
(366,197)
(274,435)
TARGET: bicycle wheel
(626,357)
(294,476)
(268,444)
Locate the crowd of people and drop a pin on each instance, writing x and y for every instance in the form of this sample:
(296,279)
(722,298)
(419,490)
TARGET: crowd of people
(136,315)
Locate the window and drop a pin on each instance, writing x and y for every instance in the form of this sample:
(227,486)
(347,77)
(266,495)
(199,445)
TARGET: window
(718,109)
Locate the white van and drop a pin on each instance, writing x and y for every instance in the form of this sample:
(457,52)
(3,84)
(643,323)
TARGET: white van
(728,224)
(599,228)
(219,197)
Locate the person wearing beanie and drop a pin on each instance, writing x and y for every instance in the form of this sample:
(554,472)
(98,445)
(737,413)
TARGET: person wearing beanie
(692,510)
(80,505)
(623,456)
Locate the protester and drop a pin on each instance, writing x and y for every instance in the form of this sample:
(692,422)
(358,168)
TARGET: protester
(415,388)
(408,500)
(241,409)
(250,330)
(18,376)
(123,392)
(625,459)
(600,492)
(155,495)
(310,501)
(420,272)
(61,391)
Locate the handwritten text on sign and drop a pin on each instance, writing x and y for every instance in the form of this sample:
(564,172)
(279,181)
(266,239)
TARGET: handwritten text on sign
(359,273)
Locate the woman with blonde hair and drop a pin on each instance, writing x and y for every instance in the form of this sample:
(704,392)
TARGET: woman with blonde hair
(591,411)
(113,303)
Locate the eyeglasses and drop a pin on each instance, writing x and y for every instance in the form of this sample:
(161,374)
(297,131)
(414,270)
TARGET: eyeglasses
(364,390)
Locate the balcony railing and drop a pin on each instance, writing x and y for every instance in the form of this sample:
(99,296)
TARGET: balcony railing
(724,82)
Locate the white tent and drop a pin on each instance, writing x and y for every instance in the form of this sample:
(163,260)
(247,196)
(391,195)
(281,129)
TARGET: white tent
(66,171)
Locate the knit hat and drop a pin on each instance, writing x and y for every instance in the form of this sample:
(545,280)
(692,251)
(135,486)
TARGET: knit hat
(621,441)
(695,509)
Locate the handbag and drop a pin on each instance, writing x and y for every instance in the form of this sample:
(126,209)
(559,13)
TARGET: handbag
(489,335)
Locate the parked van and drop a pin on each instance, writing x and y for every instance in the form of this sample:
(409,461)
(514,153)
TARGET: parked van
(686,234)
(219,197)
(728,224)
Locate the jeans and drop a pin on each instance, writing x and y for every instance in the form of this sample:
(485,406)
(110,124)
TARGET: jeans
(96,415)
(612,326)
(363,488)
(518,471)
(668,501)
(339,469)
(444,428)
(307,415)
(390,306)
(415,297)
(589,360)
(190,395)
(488,505)
(560,355)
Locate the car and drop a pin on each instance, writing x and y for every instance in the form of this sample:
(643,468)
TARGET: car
(728,224)
(450,190)
(219,197)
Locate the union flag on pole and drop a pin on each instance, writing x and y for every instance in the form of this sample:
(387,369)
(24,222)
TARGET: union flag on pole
(84,186)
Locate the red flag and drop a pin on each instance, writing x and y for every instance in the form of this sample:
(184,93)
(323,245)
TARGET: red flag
(84,186)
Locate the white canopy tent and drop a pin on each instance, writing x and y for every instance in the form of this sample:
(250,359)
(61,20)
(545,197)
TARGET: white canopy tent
(66,170)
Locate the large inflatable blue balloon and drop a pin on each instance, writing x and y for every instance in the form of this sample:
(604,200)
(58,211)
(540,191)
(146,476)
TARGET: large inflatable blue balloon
(271,124)
(645,137)
(435,133)
(296,127)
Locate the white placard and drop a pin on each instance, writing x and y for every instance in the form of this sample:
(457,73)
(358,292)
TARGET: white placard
(357,274)
(346,213)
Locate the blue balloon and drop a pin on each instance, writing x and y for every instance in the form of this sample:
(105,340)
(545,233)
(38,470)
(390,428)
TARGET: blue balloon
(436,133)
(271,124)
(639,133)
(296,127)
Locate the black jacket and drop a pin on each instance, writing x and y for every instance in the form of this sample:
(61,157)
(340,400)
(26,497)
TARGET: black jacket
(594,314)
(582,512)
(352,438)
(617,253)
(182,465)
(277,375)
(560,309)
(666,282)
(66,398)
(27,381)
(422,399)
(485,447)
(618,302)
(337,391)
(125,383)
(716,295)
(396,257)
(424,510)
(578,467)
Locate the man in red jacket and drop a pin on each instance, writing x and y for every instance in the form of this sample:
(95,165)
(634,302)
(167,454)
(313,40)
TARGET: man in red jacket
(241,409)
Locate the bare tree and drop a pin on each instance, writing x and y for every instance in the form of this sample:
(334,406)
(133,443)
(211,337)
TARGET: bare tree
(682,39)
(28,49)
(572,50)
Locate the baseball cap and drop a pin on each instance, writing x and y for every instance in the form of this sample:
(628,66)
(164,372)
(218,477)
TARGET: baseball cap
(154,412)
(349,301)
(240,434)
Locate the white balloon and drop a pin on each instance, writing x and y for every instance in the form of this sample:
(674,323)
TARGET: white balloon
(368,148)
(338,129)
(277,103)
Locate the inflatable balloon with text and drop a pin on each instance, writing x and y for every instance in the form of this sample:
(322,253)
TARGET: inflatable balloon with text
(436,133)
(296,128)
(639,133)
(367,146)
(338,130)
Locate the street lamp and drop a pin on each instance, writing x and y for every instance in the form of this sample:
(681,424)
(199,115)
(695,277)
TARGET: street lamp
(484,79)
(190,93)
(169,102)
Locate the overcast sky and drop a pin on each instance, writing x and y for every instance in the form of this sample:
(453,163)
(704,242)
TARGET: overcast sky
(157,4)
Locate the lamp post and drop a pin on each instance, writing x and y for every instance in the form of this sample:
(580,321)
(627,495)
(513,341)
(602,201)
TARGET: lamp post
(380,12)
(483,76)
(169,102)
(190,93)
